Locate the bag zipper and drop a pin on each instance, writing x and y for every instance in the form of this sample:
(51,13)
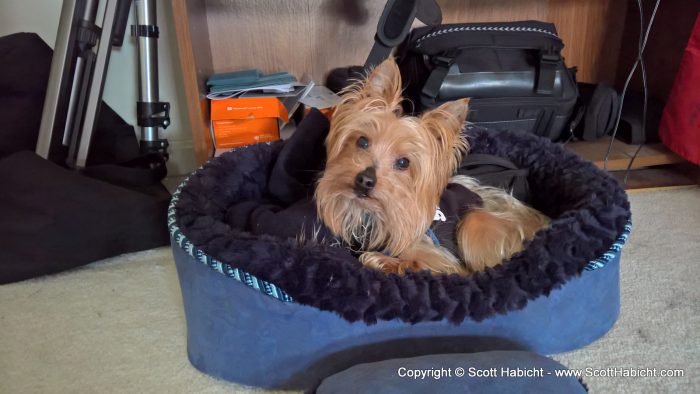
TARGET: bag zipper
(483,28)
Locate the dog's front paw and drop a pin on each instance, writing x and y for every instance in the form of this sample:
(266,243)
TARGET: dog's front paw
(381,262)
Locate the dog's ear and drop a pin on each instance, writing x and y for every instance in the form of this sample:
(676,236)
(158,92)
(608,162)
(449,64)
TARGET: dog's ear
(447,118)
(451,112)
(445,123)
(385,82)
(382,87)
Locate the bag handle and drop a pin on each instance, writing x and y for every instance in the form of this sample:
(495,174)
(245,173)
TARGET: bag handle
(546,73)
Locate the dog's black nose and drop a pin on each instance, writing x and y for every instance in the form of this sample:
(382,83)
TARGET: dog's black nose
(365,181)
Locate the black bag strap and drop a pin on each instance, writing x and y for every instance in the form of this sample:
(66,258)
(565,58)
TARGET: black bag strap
(395,24)
(497,172)
(479,159)
(392,29)
(479,164)
(431,88)
(546,74)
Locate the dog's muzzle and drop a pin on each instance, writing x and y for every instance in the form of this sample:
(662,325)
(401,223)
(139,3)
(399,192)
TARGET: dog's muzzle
(365,182)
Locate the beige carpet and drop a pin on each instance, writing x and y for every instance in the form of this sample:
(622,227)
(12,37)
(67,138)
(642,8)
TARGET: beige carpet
(118,325)
(659,325)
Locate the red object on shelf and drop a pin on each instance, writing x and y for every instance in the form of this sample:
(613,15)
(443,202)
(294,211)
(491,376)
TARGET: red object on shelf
(680,123)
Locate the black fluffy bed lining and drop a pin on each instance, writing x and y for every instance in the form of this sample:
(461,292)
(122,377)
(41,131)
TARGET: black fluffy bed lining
(588,208)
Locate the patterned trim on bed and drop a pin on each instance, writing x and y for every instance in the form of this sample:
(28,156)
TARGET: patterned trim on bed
(218,266)
(614,250)
(274,291)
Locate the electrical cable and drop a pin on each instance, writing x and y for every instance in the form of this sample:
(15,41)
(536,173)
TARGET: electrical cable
(643,37)
(644,122)
(646,98)
(626,85)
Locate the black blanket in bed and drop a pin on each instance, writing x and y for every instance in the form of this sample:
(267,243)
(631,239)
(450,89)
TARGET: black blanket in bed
(288,211)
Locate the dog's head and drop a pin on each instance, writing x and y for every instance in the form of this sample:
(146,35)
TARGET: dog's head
(385,172)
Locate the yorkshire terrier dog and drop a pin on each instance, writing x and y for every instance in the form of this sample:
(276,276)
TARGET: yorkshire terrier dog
(389,190)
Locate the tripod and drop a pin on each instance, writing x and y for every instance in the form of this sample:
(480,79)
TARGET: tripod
(77,76)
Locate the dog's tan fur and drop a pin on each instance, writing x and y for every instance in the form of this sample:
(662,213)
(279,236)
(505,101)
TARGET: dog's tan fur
(397,212)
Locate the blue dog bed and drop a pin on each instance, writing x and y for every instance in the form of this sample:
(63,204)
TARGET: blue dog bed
(266,310)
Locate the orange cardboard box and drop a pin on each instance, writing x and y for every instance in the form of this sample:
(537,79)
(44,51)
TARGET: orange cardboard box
(244,121)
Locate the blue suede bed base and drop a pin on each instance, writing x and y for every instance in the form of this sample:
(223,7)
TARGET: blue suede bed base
(241,335)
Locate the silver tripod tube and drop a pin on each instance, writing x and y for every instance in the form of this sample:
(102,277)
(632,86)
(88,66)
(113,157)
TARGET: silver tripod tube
(152,114)
(148,61)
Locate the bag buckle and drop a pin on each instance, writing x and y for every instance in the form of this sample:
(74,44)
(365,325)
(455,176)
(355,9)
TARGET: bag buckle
(431,88)
(443,61)
(549,59)
(550,56)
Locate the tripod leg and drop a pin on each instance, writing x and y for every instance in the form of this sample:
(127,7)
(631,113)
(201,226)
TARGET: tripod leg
(74,93)
(149,108)
(73,135)
(94,97)
(86,39)
(57,91)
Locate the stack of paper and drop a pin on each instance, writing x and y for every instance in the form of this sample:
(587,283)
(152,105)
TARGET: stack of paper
(251,83)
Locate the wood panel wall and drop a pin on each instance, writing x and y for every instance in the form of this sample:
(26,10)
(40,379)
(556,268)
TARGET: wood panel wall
(315,36)
(192,32)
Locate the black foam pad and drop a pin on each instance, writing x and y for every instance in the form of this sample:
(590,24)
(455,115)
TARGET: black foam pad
(340,78)
(396,21)
(428,12)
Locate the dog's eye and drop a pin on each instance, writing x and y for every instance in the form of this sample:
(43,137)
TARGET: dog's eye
(402,163)
(362,143)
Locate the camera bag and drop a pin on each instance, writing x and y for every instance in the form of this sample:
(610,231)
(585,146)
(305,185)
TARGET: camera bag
(513,72)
